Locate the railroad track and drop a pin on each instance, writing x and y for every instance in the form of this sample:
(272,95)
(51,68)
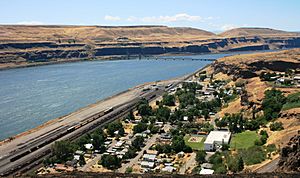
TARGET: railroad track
(32,154)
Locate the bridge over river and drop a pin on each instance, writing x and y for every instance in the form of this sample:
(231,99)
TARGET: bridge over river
(178,58)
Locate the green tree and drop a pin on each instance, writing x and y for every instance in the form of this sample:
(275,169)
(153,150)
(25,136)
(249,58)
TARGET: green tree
(276,126)
(115,126)
(168,100)
(81,160)
(131,153)
(110,161)
(138,142)
(140,127)
(153,129)
(163,113)
(63,150)
(130,115)
(272,103)
(145,110)
(98,141)
(200,156)
(240,164)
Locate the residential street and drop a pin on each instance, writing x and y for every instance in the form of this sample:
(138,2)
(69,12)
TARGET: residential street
(133,161)
(190,163)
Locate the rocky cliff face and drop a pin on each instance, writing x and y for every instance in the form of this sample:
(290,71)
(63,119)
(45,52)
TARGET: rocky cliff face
(56,43)
(290,156)
(251,65)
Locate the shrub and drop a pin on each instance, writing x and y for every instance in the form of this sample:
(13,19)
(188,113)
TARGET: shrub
(276,126)
(252,155)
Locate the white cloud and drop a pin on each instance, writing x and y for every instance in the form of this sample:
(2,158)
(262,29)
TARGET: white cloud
(30,23)
(112,18)
(174,18)
(228,27)
(232,26)
(132,19)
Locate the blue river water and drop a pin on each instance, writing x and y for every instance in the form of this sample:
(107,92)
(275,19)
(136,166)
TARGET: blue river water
(32,96)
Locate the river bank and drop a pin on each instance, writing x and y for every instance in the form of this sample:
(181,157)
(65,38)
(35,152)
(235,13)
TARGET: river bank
(7,66)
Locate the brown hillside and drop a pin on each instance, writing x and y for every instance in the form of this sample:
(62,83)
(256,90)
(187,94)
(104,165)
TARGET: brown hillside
(99,33)
(256,32)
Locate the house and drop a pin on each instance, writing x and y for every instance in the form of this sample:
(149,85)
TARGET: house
(149,157)
(89,146)
(152,152)
(185,118)
(76,157)
(297,78)
(216,138)
(206,166)
(168,169)
(206,171)
(79,152)
(72,163)
(180,154)
(166,136)
(147,164)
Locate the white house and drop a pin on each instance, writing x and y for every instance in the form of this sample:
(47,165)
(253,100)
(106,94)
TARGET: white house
(206,171)
(216,138)
(147,164)
(149,157)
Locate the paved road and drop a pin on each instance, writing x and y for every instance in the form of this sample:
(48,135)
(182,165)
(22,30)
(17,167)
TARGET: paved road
(270,167)
(133,161)
(190,163)
(92,162)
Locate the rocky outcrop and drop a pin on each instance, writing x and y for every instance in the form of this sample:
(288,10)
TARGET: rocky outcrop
(290,156)
(233,70)
(14,52)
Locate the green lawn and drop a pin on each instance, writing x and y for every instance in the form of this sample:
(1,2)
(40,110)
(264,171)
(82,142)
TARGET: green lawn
(243,140)
(194,145)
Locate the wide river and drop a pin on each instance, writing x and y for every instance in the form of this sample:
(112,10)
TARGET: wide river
(31,96)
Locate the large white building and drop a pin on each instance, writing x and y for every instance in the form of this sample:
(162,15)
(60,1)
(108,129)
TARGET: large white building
(216,138)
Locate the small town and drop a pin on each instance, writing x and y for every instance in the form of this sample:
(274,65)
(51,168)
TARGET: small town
(150,89)
(182,132)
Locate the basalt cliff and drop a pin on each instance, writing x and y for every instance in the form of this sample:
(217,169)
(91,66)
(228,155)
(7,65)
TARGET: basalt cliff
(30,45)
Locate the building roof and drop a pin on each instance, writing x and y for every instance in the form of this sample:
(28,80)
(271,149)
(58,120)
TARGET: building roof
(206,171)
(168,169)
(206,165)
(79,152)
(89,146)
(217,136)
(147,164)
(119,143)
(149,156)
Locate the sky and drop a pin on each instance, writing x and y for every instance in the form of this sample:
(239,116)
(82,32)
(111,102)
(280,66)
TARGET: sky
(211,15)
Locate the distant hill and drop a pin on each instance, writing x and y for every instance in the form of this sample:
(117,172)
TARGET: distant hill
(14,33)
(255,32)
(23,45)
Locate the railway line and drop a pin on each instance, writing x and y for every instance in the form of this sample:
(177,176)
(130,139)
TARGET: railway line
(32,153)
